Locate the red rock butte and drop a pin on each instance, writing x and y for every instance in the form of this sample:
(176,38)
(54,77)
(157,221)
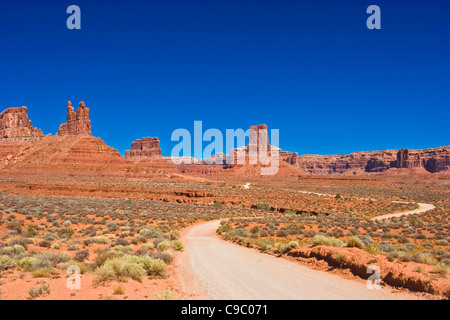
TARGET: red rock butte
(146,147)
(25,150)
(14,123)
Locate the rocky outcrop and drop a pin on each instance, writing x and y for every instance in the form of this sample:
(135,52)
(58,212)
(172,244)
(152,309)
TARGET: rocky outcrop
(430,160)
(145,148)
(14,123)
(78,122)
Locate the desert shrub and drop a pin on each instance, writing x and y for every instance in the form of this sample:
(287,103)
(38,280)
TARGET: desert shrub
(217,204)
(310,233)
(341,258)
(164,245)
(408,247)
(385,246)
(112,226)
(282,248)
(50,236)
(282,233)
(293,245)
(149,245)
(150,233)
(104,255)
(424,257)
(177,245)
(320,239)
(42,273)
(44,244)
(56,224)
(121,242)
(239,232)
(441,269)
(120,269)
(262,206)
(166,294)
(43,289)
(100,240)
(24,242)
(15,225)
(446,261)
(366,239)
(355,242)
(165,256)
(118,290)
(153,266)
(138,239)
(84,267)
(263,233)
(353,232)
(81,255)
(49,260)
(401,255)
(6,262)
(442,242)
(26,263)
(14,250)
(65,232)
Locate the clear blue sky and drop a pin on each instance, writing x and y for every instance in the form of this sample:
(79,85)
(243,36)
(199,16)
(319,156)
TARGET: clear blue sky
(311,69)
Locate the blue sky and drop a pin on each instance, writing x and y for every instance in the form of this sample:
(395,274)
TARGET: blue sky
(311,69)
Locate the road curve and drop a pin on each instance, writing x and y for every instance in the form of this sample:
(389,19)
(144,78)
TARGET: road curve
(211,268)
(423,207)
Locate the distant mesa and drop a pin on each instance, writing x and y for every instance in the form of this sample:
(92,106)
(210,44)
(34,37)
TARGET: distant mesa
(78,122)
(145,148)
(14,123)
(24,147)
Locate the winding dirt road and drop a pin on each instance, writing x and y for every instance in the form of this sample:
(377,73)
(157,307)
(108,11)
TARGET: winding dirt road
(211,268)
(423,207)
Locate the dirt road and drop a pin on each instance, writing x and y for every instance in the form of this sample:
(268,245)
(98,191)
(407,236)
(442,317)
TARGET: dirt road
(423,207)
(211,268)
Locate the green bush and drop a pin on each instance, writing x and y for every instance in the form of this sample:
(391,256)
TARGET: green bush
(293,245)
(355,242)
(239,232)
(27,263)
(263,206)
(177,245)
(6,262)
(120,269)
(441,269)
(42,273)
(320,239)
(164,245)
(385,246)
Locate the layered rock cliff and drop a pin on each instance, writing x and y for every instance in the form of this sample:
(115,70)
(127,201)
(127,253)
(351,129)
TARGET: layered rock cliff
(429,160)
(78,122)
(145,148)
(14,123)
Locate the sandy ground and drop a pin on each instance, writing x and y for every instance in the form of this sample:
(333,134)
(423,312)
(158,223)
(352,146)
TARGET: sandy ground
(217,269)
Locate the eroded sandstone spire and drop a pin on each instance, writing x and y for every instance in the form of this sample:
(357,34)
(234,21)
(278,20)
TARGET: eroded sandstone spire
(78,122)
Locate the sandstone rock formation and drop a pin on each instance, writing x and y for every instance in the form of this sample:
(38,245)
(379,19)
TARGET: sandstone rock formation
(430,160)
(14,123)
(145,148)
(78,122)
